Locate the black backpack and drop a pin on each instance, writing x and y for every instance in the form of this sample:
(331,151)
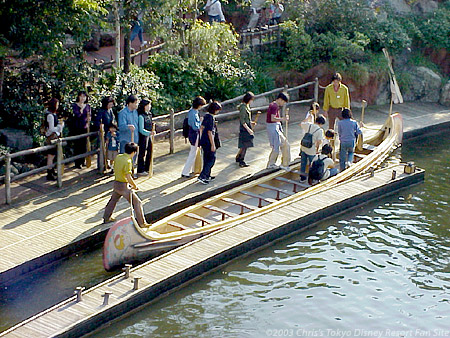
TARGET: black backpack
(185,128)
(307,140)
(317,169)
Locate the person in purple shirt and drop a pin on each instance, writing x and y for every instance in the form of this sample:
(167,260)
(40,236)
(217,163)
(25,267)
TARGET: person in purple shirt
(81,119)
(128,123)
(348,130)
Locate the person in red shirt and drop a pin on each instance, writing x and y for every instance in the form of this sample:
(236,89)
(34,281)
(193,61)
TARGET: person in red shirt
(277,139)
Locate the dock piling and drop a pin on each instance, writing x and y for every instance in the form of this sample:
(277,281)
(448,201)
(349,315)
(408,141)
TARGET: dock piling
(106,297)
(136,283)
(126,269)
(79,291)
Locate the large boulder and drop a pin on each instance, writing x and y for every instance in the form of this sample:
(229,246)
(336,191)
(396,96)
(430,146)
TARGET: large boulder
(424,85)
(445,95)
(426,6)
(400,6)
(16,139)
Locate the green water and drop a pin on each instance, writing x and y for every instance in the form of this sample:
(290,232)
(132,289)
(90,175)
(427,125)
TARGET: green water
(384,266)
(382,270)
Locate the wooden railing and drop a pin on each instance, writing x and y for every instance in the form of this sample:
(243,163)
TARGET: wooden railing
(171,120)
(257,39)
(140,55)
(59,163)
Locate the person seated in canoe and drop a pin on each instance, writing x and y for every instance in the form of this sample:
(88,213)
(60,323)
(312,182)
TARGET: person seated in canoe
(348,130)
(311,142)
(322,166)
(123,179)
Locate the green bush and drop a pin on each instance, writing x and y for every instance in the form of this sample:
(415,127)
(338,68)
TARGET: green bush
(183,79)
(299,47)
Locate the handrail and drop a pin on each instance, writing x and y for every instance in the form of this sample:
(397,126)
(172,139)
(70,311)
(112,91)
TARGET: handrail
(171,133)
(58,144)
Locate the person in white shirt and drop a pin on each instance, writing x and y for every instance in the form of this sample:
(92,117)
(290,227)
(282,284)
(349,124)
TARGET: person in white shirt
(214,10)
(307,153)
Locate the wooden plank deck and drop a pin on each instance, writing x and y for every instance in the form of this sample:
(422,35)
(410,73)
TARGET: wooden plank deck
(181,265)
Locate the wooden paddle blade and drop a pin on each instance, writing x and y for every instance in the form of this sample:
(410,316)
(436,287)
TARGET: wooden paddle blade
(360,142)
(150,170)
(198,162)
(88,148)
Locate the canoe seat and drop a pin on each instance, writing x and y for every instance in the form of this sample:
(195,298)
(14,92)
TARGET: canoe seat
(278,190)
(224,213)
(293,182)
(198,218)
(239,203)
(259,197)
(178,225)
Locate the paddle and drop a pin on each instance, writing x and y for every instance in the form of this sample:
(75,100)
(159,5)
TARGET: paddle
(103,145)
(152,139)
(360,140)
(88,142)
(287,122)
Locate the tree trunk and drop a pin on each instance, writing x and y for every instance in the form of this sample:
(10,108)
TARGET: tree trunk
(2,76)
(126,51)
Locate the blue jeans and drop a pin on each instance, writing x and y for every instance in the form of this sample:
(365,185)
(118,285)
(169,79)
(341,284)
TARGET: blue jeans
(333,172)
(209,158)
(214,18)
(305,159)
(137,31)
(346,153)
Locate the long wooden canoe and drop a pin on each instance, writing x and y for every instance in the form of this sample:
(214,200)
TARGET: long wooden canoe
(126,242)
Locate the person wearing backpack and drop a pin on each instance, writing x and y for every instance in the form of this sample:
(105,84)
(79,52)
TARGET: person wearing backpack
(348,130)
(311,142)
(322,166)
(193,121)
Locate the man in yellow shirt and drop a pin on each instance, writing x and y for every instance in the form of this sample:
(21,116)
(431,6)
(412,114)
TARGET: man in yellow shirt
(336,98)
(123,179)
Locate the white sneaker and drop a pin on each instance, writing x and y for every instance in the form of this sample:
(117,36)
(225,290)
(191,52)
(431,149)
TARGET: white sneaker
(272,166)
(144,43)
(285,168)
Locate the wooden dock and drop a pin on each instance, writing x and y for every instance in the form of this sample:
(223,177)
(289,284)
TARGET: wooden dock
(156,278)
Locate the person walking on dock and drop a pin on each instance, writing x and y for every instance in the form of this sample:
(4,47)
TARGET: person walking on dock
(335,99)
(209,141)
(145,132)
(194,132)
(246,134)
(124,185)
(311,142)
(348,131)
(277,139)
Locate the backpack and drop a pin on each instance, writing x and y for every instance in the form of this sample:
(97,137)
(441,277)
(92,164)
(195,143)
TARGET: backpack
(307,140)
(316,170)
(185,128)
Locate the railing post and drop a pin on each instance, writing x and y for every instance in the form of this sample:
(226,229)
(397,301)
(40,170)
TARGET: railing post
(8,178)
(101,154)
(172,132)
(59,165)
(316,90)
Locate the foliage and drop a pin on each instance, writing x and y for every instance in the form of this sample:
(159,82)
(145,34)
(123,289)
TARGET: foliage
(432,29)
(209,44)
(299,46)
(139,81)
(182,78)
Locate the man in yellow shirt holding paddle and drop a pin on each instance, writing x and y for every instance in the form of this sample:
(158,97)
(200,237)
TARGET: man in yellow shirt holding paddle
(124,185)
(336,98)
